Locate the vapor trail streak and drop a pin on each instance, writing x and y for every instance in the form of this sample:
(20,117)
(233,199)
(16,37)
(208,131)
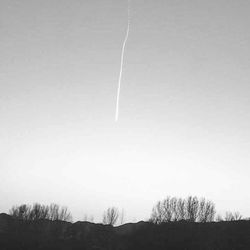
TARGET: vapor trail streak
(122,62)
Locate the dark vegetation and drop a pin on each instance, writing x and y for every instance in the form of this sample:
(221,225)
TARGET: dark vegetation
(38,212)
(175,223)
(190,209)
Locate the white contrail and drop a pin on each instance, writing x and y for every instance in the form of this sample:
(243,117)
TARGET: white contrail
(121,68)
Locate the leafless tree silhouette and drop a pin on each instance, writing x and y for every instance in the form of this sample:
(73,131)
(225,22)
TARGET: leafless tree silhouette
(206,211)
(229,216)
(38,211)
(192,206)
(20,212)
(190,209)
(111,216)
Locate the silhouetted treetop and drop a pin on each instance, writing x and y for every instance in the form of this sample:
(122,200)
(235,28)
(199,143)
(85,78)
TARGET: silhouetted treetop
(176,209)
(38,211)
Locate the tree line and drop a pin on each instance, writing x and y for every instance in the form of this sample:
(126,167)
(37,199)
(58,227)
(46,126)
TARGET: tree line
(38,212)
(177,209)
(170,209)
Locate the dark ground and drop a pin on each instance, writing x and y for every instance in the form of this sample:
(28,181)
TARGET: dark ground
(44,234)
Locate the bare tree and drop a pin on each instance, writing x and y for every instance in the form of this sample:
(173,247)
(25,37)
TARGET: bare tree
(181,209)
(44,212)
(64,214)
(165,211)
(209,212)
(111,216)
(190,209)
(174,208)
(53,212)
(20,212)
(38,211)
(157,215)
(206,210)
(237,216)
(229,216)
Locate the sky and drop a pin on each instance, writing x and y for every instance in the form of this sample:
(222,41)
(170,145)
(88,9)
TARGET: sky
(184,119)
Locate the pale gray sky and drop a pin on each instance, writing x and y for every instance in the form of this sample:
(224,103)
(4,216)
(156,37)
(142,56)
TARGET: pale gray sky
(184,108)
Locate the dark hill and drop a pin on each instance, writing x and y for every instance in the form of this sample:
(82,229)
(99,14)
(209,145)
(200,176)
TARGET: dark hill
(48,235)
